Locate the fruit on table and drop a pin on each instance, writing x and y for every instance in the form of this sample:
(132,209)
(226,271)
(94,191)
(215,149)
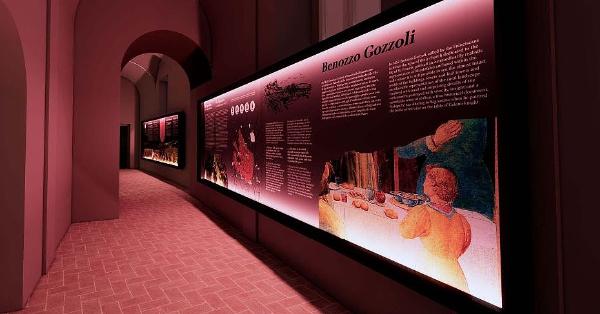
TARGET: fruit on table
(380,196)
(390,213)
(360,204)
(364,206)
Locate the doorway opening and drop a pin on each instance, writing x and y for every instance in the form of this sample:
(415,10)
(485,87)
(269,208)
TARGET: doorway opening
(158,72)
(124,144)
(154,89)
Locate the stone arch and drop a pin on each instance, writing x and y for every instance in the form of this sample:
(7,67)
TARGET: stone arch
(176,46)
(106,33)
(150,73)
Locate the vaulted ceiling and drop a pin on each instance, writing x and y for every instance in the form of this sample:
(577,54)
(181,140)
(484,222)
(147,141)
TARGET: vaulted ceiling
(144,64)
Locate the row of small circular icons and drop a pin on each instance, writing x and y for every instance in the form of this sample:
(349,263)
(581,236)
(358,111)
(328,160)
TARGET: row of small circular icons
(243,108)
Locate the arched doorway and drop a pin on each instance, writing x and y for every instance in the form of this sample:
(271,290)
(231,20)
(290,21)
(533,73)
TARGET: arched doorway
(164,67)
(176,46)
(166,27)
(155,85)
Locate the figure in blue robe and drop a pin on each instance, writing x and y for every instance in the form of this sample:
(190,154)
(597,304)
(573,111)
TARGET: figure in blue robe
(464,156)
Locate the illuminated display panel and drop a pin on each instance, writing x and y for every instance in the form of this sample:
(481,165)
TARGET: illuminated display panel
(387,140)
(163,140)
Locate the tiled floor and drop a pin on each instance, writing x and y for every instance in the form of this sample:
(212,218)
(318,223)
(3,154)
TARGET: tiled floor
(165,255)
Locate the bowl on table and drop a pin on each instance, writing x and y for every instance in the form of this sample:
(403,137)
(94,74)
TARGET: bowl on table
(409,199)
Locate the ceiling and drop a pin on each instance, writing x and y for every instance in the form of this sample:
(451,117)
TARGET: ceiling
(144,64)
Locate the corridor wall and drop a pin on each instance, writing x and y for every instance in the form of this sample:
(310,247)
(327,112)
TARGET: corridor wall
(59,126)
(13,104)
(30,20)
(46,188)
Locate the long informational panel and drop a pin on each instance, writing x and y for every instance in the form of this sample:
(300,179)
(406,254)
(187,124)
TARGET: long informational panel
(163,140)
(387,140)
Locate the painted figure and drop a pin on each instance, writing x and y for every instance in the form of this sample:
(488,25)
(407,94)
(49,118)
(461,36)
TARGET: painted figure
(444,233)
(458,145)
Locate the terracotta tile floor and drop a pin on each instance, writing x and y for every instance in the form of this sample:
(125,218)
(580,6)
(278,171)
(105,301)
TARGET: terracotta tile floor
(165,255)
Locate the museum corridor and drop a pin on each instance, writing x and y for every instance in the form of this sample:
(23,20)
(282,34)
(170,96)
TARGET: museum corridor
(309,156)
(167,253)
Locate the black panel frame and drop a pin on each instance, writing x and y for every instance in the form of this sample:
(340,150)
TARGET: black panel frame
(513,146)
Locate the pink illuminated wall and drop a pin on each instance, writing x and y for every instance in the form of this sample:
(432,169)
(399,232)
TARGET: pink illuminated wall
(49,90)
(578,96)
(30,19)
(59,126)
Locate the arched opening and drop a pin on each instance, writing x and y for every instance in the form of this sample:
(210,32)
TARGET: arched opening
(158,71)
(100,53)
(177,47)
(154,85)
(13,103)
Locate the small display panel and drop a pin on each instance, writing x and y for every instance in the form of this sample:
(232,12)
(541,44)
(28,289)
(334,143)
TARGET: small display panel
(163,140)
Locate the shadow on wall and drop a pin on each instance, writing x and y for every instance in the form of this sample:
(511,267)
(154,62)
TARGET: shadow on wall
(13,103)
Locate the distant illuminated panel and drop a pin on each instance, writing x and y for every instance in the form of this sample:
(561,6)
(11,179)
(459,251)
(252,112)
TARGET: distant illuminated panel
(162,140)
